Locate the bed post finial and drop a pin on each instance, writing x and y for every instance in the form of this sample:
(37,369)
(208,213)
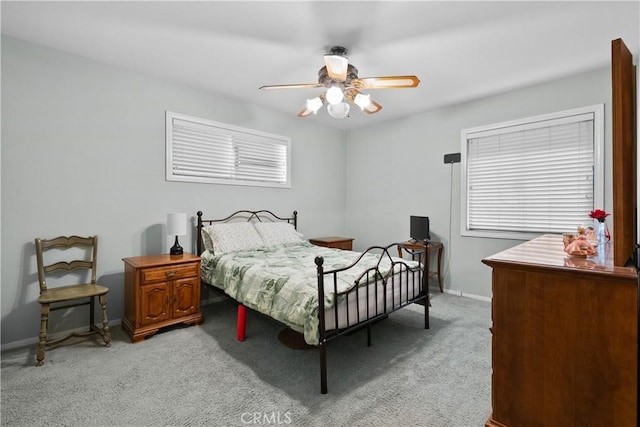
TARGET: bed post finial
(295,219)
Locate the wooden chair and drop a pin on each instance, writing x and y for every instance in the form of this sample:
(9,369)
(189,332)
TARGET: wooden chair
(69,294)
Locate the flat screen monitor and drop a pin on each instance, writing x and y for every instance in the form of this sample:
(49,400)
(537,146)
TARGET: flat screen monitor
(419,228)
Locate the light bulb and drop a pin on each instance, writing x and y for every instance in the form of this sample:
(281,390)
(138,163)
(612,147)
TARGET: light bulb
(334,95)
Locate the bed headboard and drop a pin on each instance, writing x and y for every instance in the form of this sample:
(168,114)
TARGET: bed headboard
(244,215)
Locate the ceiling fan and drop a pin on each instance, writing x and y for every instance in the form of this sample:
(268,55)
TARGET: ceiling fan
(342,83)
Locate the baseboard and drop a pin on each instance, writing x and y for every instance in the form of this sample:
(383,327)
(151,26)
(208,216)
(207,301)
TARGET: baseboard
(453,292)
(34,340)
(466,295)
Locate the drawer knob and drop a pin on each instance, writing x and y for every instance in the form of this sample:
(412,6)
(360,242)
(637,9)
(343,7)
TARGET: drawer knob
(171,273)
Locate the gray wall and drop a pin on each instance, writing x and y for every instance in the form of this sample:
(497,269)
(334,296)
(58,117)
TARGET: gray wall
(83,152)
(398,170)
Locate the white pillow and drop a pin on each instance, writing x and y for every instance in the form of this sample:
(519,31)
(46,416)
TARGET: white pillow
(275,233)
(235,236)
(207,241)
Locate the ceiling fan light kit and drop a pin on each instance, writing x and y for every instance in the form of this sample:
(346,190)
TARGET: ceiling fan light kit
(341,81)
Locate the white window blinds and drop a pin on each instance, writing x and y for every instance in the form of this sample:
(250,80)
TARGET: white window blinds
(532,176)
(200,150)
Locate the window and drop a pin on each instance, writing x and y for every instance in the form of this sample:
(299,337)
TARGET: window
(200,150)
(537,175)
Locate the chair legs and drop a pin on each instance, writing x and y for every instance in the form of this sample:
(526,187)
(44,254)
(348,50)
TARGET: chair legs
(93,329)
(44,322)
(106,334)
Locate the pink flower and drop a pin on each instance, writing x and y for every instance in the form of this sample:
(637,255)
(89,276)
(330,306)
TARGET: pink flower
(598,214)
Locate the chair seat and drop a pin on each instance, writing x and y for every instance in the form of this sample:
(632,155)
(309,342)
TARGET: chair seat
(65,293)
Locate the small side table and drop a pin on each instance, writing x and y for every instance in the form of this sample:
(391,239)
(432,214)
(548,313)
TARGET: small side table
(431,246)
(160,290)
(345,243)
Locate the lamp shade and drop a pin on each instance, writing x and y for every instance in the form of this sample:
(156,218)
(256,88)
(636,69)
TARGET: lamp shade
(314,104)
(362,101)
(338,111)
(176,224)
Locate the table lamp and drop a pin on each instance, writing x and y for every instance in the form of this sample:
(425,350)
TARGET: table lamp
(176,226)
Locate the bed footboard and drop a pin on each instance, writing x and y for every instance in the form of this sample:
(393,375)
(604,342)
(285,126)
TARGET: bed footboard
(406,284)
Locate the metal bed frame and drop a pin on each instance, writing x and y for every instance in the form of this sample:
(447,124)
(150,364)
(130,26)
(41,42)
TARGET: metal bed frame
(371,311)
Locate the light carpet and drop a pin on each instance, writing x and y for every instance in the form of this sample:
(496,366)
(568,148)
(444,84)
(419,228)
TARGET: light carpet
(202,376)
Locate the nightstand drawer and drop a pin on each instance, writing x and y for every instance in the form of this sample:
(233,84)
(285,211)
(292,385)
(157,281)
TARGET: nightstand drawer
(169,273)
(345,244)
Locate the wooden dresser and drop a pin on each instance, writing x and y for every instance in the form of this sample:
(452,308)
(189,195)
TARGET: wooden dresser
(160,290)
(564,338)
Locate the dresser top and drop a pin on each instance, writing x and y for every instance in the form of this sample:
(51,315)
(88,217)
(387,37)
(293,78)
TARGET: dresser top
(548,251)
(160,259)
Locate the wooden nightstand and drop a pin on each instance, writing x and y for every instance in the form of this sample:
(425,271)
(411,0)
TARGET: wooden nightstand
(160,290)
(334,242)
(431,246)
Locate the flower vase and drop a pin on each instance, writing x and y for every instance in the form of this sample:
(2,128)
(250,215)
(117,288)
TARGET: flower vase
(602,232)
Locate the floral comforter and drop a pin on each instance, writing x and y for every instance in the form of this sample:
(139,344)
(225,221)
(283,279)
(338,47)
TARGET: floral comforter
(281,281)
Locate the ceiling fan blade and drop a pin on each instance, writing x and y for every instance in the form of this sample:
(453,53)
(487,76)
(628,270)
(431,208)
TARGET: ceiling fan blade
(337,66)
(293,86)
(304,113)
(388,82)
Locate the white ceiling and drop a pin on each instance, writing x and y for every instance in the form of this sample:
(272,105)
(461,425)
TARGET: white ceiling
(459,50)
